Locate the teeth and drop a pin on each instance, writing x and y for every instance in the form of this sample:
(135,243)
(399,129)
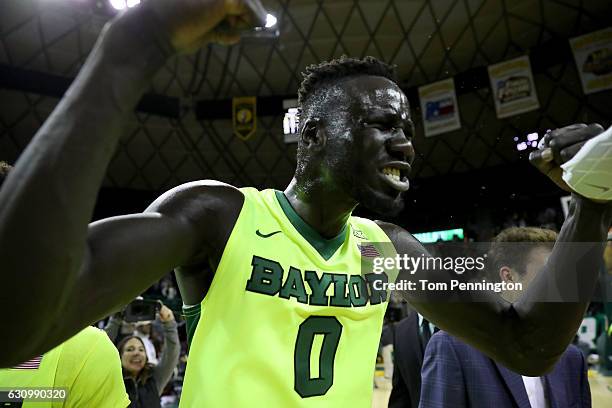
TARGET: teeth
(392,173)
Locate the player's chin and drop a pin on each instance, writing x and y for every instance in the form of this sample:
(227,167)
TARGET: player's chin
(383,201)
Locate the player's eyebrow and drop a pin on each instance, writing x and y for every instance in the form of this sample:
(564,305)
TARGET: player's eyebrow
(389,116)
(383,114)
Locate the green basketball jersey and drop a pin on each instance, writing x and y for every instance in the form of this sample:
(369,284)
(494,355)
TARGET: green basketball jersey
(290,320)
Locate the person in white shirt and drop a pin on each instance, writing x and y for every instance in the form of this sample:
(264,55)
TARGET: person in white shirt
(143,331)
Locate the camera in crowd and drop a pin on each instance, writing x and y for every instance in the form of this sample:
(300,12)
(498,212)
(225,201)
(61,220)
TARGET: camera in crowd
(142,310)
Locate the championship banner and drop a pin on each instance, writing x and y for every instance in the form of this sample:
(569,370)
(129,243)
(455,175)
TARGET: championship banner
(513,87)
(244,116)
(439,107)
(593,55)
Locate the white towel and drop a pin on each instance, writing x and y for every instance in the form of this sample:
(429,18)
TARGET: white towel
(589,172)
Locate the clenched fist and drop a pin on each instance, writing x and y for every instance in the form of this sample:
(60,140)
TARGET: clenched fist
(193,23)
(165,314)
(560,145)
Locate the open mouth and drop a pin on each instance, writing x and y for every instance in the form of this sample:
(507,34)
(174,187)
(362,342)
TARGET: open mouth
(396,175)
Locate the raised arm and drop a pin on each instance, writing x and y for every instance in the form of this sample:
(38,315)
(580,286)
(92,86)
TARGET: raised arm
(171,352)
(531,334)
(52,262)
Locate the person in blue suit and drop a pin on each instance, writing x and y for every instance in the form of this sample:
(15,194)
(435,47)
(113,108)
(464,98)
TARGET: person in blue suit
(456,375)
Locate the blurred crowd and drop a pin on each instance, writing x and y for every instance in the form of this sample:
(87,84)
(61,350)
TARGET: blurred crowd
(152,349)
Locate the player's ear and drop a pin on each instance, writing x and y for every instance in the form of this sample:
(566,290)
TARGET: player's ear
(505,274)
(313,136)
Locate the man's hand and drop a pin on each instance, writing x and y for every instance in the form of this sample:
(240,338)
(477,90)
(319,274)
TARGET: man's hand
(193,23)
(165,314)
(559,146)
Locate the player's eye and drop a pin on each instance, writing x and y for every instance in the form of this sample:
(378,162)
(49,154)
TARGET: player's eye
(379,126)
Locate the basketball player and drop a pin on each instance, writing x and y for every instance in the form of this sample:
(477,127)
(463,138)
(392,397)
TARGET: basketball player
(86,367)
(286,289)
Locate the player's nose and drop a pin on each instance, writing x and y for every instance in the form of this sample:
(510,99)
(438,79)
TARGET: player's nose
(401,145)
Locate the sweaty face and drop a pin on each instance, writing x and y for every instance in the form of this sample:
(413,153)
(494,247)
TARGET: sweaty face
(370,147)
(133,358)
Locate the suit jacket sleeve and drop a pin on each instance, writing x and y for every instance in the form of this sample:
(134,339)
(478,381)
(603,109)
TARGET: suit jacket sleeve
(442,378)
(585,394)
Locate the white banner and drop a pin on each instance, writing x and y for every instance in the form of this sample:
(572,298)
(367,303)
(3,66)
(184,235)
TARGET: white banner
(291,121)
(593,55)
(439,107)
(513,87)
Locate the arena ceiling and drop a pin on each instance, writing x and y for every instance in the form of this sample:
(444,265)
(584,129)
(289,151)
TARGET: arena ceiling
(183,135)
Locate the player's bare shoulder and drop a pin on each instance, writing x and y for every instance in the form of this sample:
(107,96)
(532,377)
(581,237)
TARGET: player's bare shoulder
(401,239)
(201,193)
(196,198)
(211,206)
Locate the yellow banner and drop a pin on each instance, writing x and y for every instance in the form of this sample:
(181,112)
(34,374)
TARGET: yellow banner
(593,55)
(244,116)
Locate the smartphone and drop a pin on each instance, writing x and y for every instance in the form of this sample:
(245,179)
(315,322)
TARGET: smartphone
(141,310)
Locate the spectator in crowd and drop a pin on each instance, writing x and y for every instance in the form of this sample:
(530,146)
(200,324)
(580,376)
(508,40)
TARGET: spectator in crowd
(144,331)
(584,347)
(168,290)
(86,365)
(604,341)
(386,348)
(410,337)
(5,168)
(145,382)
(457,375)
(117,329)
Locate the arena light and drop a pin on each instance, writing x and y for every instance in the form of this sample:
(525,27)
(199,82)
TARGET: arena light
(270,21)
(268,32)
(118,4)
(123,4)
(529,141)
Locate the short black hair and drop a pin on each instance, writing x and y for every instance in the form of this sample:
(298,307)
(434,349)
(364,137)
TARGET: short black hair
(5,168)
(317,76)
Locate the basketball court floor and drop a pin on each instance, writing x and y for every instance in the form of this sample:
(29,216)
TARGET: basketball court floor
(601,390)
